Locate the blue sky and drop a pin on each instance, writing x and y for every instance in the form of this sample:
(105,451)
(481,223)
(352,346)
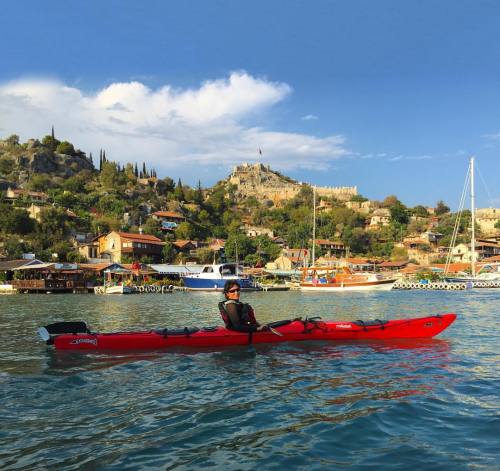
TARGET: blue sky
(391,96)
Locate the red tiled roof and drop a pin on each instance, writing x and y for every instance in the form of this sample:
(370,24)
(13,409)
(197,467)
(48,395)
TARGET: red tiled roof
(495,258)
(168,214)
(19,191)
(328,242)
(94,266)
(358,261)
(183,243)
(393,264)
(147,238)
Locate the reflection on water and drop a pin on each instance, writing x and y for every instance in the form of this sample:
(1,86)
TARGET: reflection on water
(427,404)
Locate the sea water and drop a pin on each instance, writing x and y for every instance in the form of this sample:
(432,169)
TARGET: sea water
(431,404)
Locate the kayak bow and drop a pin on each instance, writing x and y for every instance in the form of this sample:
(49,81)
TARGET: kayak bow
(77,336)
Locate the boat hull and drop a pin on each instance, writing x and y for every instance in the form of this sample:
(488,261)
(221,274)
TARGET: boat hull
(294,331)
(349,286)
(215,284)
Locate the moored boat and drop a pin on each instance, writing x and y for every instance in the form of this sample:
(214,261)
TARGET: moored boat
(342,279)
(77,336)
(214,277)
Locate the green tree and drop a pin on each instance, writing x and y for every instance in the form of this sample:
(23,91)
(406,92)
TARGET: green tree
(441,208)
(497,224)
(179,192)
(15,221)
(110,177)
(75,184)
(359,198)
(14,248)
(198,194)
(50,142)
(12,140)
(399,213)
(40,182)
(111,204)
(239,244)
(168,252)
(66,148)
(356,239)
(6,166)
(399,254)
(185,230)
(420,211)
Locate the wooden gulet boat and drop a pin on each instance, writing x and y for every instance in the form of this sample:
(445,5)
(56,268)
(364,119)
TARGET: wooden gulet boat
(343,279)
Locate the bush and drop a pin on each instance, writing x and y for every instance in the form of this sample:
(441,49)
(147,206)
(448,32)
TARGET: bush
(65,147)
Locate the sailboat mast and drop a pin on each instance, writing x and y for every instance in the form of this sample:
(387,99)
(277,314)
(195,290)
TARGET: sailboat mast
(314,227)
(473,215)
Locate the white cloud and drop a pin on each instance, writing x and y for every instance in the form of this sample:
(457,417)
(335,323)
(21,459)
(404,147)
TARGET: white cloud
(211,127)
(493,137)
(309,117)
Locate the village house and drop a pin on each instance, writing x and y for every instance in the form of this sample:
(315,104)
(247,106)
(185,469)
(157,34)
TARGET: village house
(169,220)
(362,207)
(392,265)
(359,264)
(116,245)
(298,257)
(253,231)
(280,241)
(327,262)
(34,196)
(484,249)
(187,247)
(486,220)
(331,247)
(89,249)
(380,217)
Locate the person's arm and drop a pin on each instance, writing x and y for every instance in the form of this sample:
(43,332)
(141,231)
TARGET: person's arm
(232,312)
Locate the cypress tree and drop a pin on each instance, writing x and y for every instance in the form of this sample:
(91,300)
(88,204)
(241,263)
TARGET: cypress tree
(100,160)
(104,156)
(91,160)
(198,196)
(136,172)
(141,175)
(52,134)
(179,191)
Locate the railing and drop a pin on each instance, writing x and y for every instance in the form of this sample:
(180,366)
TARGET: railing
(48,284)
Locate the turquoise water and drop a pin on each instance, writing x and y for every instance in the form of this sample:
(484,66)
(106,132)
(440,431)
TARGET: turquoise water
(422,405)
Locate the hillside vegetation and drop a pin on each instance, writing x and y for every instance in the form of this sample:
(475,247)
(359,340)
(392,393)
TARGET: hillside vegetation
(92,199)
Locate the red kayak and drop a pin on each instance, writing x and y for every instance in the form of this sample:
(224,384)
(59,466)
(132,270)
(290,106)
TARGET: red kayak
(77,336)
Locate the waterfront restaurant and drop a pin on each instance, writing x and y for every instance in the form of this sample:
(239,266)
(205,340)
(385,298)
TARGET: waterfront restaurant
(49,277)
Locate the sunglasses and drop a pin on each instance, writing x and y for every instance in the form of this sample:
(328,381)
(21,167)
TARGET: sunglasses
(235,290)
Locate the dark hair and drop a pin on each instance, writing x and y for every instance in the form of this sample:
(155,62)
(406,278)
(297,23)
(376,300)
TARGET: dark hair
(229,284)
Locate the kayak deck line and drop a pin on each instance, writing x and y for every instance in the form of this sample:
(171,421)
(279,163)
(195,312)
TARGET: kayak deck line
(77,336)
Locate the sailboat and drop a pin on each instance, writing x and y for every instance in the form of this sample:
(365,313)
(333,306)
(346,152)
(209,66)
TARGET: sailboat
(317,278)
(489,272)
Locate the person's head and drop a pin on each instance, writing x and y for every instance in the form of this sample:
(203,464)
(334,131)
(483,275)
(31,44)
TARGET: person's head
(232,289)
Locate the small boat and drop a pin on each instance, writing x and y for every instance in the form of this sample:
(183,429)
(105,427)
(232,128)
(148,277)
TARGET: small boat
(342,279)
(77,336)
(214,277)
(119,289)
(487,274)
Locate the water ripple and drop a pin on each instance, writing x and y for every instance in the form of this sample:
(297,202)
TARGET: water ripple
(423,404)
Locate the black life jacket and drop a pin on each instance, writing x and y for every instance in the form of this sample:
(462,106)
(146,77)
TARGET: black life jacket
(246,314)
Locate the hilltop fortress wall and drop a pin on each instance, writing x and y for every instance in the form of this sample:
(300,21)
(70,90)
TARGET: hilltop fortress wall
(260,181)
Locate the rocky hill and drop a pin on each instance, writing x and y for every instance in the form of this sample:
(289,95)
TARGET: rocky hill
(19,161)
(262,183)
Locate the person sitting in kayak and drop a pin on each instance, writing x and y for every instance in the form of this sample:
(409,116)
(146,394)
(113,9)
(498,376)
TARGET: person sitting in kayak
(237,315)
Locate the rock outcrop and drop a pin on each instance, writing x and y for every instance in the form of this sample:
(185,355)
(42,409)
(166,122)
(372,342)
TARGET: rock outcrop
(261,182)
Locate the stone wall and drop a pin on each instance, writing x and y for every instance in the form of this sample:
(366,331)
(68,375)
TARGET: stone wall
(260,181)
